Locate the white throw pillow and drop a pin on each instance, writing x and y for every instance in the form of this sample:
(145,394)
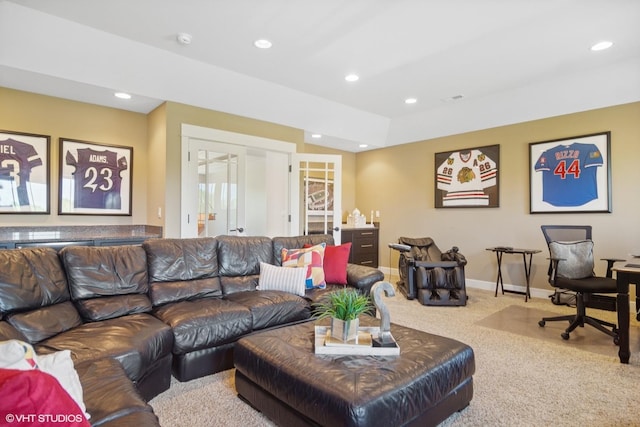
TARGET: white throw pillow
(576,258)
(60,366)
(285,279)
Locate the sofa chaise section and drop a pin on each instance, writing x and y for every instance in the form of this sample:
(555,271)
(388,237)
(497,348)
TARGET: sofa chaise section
(36,301)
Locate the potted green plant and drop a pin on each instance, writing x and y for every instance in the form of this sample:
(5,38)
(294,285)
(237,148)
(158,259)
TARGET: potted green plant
(344,308)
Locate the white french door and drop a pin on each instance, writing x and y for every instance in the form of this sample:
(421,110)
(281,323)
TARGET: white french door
(241,184)
(234,184)
(316,188)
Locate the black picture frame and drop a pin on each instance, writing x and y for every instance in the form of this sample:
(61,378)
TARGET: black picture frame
(95,179)
(571,175)
(468,178)
(24,173)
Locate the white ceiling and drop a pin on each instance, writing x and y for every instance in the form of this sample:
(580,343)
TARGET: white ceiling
(511,60)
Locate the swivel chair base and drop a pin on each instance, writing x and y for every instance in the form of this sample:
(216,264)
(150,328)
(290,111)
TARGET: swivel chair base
(580,319)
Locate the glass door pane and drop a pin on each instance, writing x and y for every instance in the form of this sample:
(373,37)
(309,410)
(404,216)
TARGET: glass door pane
(218,188)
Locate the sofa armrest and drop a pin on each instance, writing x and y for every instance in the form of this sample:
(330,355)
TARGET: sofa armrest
(362,277)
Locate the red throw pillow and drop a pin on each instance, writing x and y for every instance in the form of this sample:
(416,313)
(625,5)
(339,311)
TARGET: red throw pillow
(34,398)
(335,263)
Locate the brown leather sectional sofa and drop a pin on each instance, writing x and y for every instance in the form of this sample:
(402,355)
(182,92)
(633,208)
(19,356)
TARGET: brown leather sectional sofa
(134,315)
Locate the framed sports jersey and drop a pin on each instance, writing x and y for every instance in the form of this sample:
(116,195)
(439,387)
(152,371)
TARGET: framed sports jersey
(571,175)
(24,173)
(95,179)
(468,178)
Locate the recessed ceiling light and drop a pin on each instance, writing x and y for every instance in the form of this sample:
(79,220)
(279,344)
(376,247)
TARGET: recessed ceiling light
(363,145)
(601,45)
(410,101)
(262,44)
(351,77)
(316,135)
(122,95)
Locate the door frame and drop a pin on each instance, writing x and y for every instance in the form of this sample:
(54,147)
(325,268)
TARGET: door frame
(189,132)
(336,160)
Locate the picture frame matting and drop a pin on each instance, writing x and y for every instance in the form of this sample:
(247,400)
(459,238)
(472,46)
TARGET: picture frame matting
(95,178)
(24,173)
(571,175)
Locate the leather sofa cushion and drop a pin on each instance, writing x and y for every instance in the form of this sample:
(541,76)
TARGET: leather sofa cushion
(96,309)
(109,395)
(45,322)
(137,341)
(166,292)
(31,278)
(204,323)
(297,242)
(181,269)
(105,271)
(233,284)
(107,282)
(241,255)
(272,308)
(171,260)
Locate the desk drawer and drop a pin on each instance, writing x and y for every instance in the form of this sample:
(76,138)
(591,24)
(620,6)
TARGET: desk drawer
(370,260)
(364,245)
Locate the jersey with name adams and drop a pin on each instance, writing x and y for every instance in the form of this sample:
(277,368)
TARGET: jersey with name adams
(97,178)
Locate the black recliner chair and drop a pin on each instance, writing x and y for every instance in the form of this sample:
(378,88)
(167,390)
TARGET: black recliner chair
(428,274)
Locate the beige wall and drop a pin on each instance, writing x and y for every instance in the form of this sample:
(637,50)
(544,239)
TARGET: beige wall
(157,172)
(399,181)
(32,113)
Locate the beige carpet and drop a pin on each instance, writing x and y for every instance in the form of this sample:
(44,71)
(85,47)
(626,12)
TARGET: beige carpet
(525,375)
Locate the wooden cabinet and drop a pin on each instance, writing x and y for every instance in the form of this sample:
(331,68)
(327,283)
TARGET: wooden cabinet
(364,245)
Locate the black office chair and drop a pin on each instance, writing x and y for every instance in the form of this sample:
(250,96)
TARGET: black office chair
(571,268)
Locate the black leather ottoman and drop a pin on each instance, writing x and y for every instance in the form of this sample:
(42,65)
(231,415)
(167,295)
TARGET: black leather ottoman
(278,373)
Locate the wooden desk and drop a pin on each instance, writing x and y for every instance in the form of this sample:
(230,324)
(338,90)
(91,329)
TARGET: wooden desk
(624,276)
(527,267)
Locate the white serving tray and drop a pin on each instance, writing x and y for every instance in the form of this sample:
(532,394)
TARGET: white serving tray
(324,344)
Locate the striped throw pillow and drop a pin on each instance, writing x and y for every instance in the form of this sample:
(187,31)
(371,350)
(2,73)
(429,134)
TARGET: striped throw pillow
(285,279)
